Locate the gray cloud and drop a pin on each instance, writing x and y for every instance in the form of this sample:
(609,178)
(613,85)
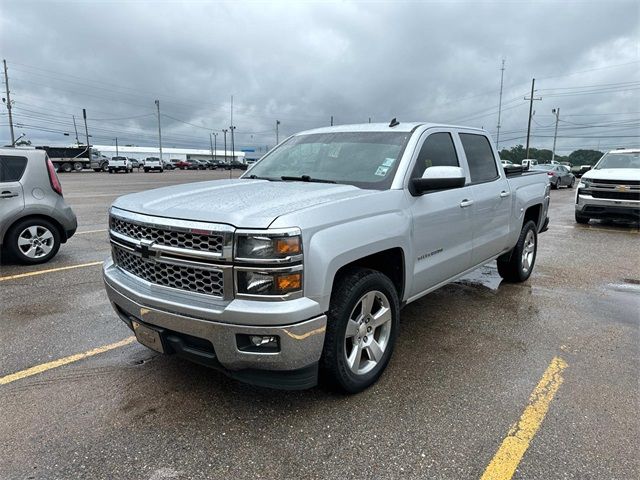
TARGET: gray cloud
(305,61)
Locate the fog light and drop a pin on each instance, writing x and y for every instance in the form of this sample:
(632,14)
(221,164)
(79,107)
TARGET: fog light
(258,343)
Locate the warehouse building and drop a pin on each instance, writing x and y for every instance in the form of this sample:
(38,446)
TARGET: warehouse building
(141,153)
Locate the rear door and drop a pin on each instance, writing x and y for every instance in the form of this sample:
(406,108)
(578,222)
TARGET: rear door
(11,192)
(442,220)
(491,196)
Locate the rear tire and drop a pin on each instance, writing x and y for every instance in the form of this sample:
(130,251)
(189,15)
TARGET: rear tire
(363,321)
(66,167)
(573,182)
(33,241)
(582,219)
(77,166)
(517,265)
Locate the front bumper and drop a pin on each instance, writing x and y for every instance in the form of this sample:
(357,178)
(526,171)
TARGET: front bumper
(300,332)
(591,207)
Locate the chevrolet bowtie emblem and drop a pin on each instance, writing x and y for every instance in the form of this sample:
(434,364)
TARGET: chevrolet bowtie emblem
(144,248)
(622,188)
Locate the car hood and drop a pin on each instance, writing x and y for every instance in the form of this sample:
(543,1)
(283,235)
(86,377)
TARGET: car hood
(241,203)
(620,174)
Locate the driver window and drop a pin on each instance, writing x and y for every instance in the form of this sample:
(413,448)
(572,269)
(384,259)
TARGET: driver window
(437,151)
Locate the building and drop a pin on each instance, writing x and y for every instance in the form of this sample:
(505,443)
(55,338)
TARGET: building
(168,153)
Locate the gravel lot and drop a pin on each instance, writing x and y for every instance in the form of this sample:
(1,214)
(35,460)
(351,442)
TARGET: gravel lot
(468,358)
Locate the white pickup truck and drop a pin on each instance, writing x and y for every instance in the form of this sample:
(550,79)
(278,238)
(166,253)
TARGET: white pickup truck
(612,189)
(298,270)
(153,163)
(120,164)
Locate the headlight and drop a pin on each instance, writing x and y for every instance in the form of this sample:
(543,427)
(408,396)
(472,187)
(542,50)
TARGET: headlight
(269,282)
(277,246)
(584,183)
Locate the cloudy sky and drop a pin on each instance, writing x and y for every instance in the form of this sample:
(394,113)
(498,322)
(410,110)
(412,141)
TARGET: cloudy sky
(302,62)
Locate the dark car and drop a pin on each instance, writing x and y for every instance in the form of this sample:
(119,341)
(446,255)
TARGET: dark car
(199,165)
(559,175)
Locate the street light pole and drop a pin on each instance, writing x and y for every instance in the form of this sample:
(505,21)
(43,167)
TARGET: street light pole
(215,145)
(76,129)
(555,134)
(159,130)
(117,147)
(277,133)
(86,130)
(211,144)
(233,145)
(224,130)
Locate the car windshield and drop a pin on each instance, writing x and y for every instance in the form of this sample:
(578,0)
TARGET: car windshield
(362,159)
(619,160)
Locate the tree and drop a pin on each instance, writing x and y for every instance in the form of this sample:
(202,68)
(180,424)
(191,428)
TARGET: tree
(585,157)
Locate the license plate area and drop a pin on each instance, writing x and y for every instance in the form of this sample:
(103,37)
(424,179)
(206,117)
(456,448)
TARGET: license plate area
(148,336)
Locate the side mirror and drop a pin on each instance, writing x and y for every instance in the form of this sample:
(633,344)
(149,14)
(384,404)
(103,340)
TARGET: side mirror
(437,178)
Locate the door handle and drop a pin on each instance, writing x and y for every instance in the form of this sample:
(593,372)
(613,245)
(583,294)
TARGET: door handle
(504,194)
(466,203)
(8,194)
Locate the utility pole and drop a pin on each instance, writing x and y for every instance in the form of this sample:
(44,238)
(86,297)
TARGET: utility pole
(215,144)
(86,130)
(277,133)
(117,147)
(8,100)
(233,148)
(531,99)
(500,106)
(332,120)
(224,130)
(159,130)
(76,129)
(369,119)
(211,143)
(555,134)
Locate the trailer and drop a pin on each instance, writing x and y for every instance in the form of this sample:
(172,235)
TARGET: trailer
(67,159)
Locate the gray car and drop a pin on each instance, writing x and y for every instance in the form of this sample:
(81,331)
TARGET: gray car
(559,175)
(34,218)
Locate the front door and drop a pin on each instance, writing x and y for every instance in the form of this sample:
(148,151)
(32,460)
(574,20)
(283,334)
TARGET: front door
(442,220)
(11,193)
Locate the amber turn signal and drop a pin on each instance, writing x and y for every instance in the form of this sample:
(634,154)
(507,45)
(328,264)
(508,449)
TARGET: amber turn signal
(289,282)
(288,245)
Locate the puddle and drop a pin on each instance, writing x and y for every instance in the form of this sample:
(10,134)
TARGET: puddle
(485,276)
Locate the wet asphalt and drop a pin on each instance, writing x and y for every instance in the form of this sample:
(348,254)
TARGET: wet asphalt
(467,359)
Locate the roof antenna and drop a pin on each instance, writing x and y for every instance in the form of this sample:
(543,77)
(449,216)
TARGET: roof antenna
(394,123)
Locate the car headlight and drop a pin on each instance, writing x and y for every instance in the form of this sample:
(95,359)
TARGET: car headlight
(269,282)
(276,246)
(584,183)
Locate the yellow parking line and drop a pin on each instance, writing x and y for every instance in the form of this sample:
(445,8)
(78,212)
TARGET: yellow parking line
(49,270)
(507,458)
(91,231)
(43,367)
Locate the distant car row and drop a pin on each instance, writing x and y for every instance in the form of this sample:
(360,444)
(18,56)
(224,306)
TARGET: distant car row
(126,165)
(577,171)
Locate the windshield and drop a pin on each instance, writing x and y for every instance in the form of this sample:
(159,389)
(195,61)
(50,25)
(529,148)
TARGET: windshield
(619,160)
(542,167)
(362,159)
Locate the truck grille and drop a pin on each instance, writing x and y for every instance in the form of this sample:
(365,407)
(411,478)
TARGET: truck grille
(170,238)
(208,282)
(613,195)
(615,182)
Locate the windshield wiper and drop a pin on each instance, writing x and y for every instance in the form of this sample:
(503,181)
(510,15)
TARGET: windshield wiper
(256,177)
(307,178)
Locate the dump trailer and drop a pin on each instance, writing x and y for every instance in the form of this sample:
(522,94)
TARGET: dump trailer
(67,159)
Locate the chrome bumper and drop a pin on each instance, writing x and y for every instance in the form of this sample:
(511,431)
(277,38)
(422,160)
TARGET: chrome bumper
(584,201)
(297,322)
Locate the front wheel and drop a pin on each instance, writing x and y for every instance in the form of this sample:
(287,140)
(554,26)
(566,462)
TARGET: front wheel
(556,185)
(582,219)
(362,327)
(517,265)
(573,182)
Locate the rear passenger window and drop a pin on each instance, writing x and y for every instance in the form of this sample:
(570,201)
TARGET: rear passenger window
(12,168)
(482,164)
(437,151)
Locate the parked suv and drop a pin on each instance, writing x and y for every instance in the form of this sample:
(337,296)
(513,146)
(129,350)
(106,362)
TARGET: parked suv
(611,189)
(34,218)
(120,164)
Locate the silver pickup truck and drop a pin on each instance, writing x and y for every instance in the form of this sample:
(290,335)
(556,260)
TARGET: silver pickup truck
(297,271)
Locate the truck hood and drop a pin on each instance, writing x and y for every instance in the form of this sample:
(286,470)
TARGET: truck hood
(620,174)
(241,203)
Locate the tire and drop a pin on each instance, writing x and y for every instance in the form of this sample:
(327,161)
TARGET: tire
(66,167)
(110,170)
(96,170)
(21,236)
(353,290)
(146,170)
(573,182)
(555,185)
(582,219)
(517,265)
(77,166)
(162,170)
(105,167)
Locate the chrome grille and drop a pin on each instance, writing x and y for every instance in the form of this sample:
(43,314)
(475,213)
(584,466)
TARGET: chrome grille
(208,282)
(170,238)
